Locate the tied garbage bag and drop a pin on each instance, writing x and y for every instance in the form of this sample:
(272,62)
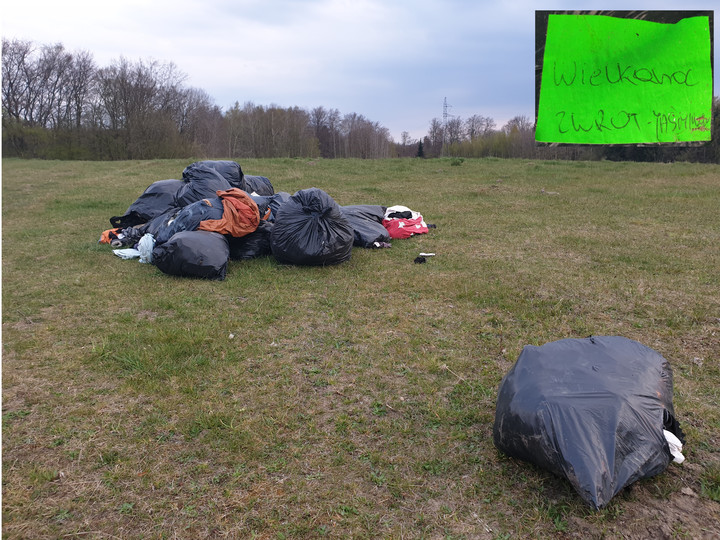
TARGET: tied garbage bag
(253,245)
(229,170)
(158,198)
(590,410)
(200,254)
(366,221)
(201,181)
(259,185)
(310,230)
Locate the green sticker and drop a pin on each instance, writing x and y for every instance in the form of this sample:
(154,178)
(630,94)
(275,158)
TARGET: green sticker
(609,80)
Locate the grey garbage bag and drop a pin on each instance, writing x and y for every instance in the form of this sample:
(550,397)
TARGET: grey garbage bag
(590,410)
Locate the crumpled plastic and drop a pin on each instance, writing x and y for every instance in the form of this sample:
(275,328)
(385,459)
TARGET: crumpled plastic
(675,446)
(145,247)
(143,250)
(127,254)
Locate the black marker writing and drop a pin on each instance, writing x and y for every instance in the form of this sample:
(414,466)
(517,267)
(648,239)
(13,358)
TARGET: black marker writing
(619,74)
(601,122)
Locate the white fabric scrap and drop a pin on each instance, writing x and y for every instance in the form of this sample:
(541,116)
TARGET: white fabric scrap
(675,446)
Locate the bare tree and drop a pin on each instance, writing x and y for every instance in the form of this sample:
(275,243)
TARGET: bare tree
(16,59)
(80,88)
(478,126)
(520,132)
(454,130)
(435,136)
(518,123)
(333,122)
(406,140)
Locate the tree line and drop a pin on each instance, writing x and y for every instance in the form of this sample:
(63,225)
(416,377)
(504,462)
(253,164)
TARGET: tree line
(61,105)
(58,104)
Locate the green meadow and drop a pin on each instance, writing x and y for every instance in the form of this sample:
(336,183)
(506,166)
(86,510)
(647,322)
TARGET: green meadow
(352,401)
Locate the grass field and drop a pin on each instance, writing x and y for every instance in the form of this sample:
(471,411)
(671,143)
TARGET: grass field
(353,401)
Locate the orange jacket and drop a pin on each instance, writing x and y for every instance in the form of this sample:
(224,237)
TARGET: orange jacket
(240,214)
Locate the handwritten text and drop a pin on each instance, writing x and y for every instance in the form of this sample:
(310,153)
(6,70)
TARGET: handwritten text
(619,74)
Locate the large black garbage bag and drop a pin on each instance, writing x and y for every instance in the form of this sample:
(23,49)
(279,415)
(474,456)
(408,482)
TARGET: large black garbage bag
(157,199)
(250,246)
(200,254)
(229,170)
(188,218)
(258,184)
(366,221)
(310,229)
(590,410)
(201,181)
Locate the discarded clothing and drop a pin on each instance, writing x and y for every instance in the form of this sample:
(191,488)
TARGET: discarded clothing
(109,236)
(190,217)
(240,214)
(403,227)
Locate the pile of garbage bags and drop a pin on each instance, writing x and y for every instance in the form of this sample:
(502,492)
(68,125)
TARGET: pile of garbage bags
(596,411)
(192,227)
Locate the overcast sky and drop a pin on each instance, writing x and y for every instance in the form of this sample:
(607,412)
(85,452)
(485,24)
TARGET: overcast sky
(394,62)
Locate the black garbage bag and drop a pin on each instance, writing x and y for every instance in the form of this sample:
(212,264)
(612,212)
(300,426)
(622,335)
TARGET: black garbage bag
(310,230)
(250,246)
(201,181)
(273,202)
(157,199)
(200,254)
(188,218)
(589,410)
(366,221)
(158,223)
(258,184)
(229,170)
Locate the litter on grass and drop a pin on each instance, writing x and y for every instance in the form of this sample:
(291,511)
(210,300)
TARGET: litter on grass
(245,218)
(593,411)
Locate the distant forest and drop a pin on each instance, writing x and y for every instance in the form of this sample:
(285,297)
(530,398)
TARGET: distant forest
(58,104)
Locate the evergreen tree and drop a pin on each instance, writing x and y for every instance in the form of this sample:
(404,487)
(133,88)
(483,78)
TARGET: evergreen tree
(420,151)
